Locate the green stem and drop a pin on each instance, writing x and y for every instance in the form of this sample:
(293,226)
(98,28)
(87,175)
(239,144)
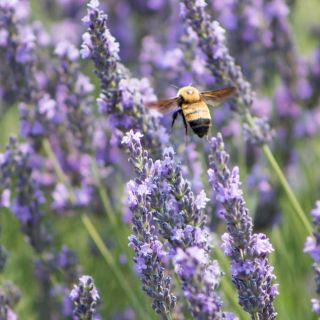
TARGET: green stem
(228,289)
(93,231)
(256,316)
(290,194)
(110,261)
(186,316)
(56,165)
(103,194)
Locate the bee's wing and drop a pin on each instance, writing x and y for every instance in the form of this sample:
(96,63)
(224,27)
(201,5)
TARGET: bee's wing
(163,105)
(217,96)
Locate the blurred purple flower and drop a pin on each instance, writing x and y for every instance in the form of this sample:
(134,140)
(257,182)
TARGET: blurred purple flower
(9,297)
(85,297)
(118,90)
(15,172)
(211,39)
(312,247)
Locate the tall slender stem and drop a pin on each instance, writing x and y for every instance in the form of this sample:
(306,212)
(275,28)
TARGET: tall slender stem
(103,194)
(255,316)
(110,261)
(290,194)
(93,232)
(228,289)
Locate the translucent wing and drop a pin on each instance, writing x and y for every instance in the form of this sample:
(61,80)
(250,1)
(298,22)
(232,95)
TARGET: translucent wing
(163,105)
(219,95)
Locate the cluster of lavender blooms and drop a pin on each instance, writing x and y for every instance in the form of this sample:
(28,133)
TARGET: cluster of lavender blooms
(150,253)
(9,297)
(122,97)
(211,40)
(256,30)
(312,247)
(263,29)
(9,293)
(171,238)
(85,297)
(21,193)
(16,51)
(55,107)
(169,225)
(26,205)
(250,270)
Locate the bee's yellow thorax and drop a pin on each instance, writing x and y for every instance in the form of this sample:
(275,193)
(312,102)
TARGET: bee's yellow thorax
(189,94)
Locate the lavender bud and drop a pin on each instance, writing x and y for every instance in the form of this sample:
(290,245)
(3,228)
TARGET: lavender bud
(85,297)
(9,297)
(260,133)
(312,247)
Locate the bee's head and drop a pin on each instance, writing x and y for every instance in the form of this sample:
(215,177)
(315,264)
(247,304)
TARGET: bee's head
(189,94)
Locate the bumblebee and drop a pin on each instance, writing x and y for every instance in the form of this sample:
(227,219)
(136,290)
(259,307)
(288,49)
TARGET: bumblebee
(192,106)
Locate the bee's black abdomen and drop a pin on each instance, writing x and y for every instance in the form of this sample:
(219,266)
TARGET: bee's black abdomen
(200,126)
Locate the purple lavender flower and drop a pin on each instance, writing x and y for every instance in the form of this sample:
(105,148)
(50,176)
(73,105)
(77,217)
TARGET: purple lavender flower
(312,247)
(9,297)
(258,134)
(211,39)
(150,253)
(26,204)
(178,216)
(119,92)
(73,99)
(250,270)
(85,297)
(18,51)
(182,224)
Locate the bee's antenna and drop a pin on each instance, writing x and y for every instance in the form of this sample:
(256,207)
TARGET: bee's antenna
(172,85)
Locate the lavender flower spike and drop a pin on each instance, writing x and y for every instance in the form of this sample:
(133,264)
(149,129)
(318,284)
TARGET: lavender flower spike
(250,270)
(312,247)
(150,253)
(211,37)
(122,97)
(182,223)
(85,297)
(175,217)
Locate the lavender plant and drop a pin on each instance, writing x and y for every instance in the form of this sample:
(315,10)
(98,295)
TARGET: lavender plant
(67,165)
(122,97)
(166,211)
(16,51)
(85,297)
(312,248)
(9,297)
(150,252)
(250,270)
(25,200)
(223,67)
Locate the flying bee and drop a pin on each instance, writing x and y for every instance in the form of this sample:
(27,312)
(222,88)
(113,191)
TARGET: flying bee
(192,106)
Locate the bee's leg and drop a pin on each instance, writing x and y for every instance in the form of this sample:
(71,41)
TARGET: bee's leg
(185,123)
(174,117)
